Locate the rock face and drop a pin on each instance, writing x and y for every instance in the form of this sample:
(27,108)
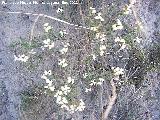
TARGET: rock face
(141,104)
(144,103)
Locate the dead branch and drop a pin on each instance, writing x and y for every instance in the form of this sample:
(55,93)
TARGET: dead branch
(112,100)
(47,16)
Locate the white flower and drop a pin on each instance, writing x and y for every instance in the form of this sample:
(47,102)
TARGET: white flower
(62,63)
(59,10)
(46,24)
(93,56)
(65,89)
(49,72)
(81,106)
(58,100)
(43,77)
(51,45)
(99,17)
(121,41)
(101,79)
(47,28)
(87,90)
(64,100)
(49,82)
(127,9)
(32,52)
(85,75)
(70,80)
(123,46)
(99,83)
(93,10)
(72,108)
(64,50)
(102,47)
(52,88)
(133,2)
(118,39)
(117,26)
(47,43)
(100,36)
(59,93)
(101,53)
(92,83)
(118,71)
(22,58)
(63,32)
(65,107)
(94,28)
(45,86)
(138,40)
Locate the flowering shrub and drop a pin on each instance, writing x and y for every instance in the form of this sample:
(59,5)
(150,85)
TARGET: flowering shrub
(78,62)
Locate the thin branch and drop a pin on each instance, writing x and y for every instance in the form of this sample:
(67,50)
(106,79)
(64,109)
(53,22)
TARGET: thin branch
(111,101)
(32,30)
(47,16)
(132,2)
(132,74)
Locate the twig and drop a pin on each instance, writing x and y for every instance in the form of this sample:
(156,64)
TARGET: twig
(132,2)
(111,101)
(132,74)
(47,16)
(80,10)
(32,30)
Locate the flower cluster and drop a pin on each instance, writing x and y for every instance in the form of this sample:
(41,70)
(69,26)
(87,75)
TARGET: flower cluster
(47,27)
(99,17)
(102,49)
(94,28)
(118,25)
(62,33)
(59,10)
(85,75)
(93,10)
(100,81)
(93,56)
(62,62)
(22,58)
(48,43)
(127,9)
(118,71)
(64,49)
(60,95)
(118,39)
(100,36)
(32,52)
(94,82)
(63,102)
(138,40)
(81,106)
(122,41)
(70,80)
(48,81)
